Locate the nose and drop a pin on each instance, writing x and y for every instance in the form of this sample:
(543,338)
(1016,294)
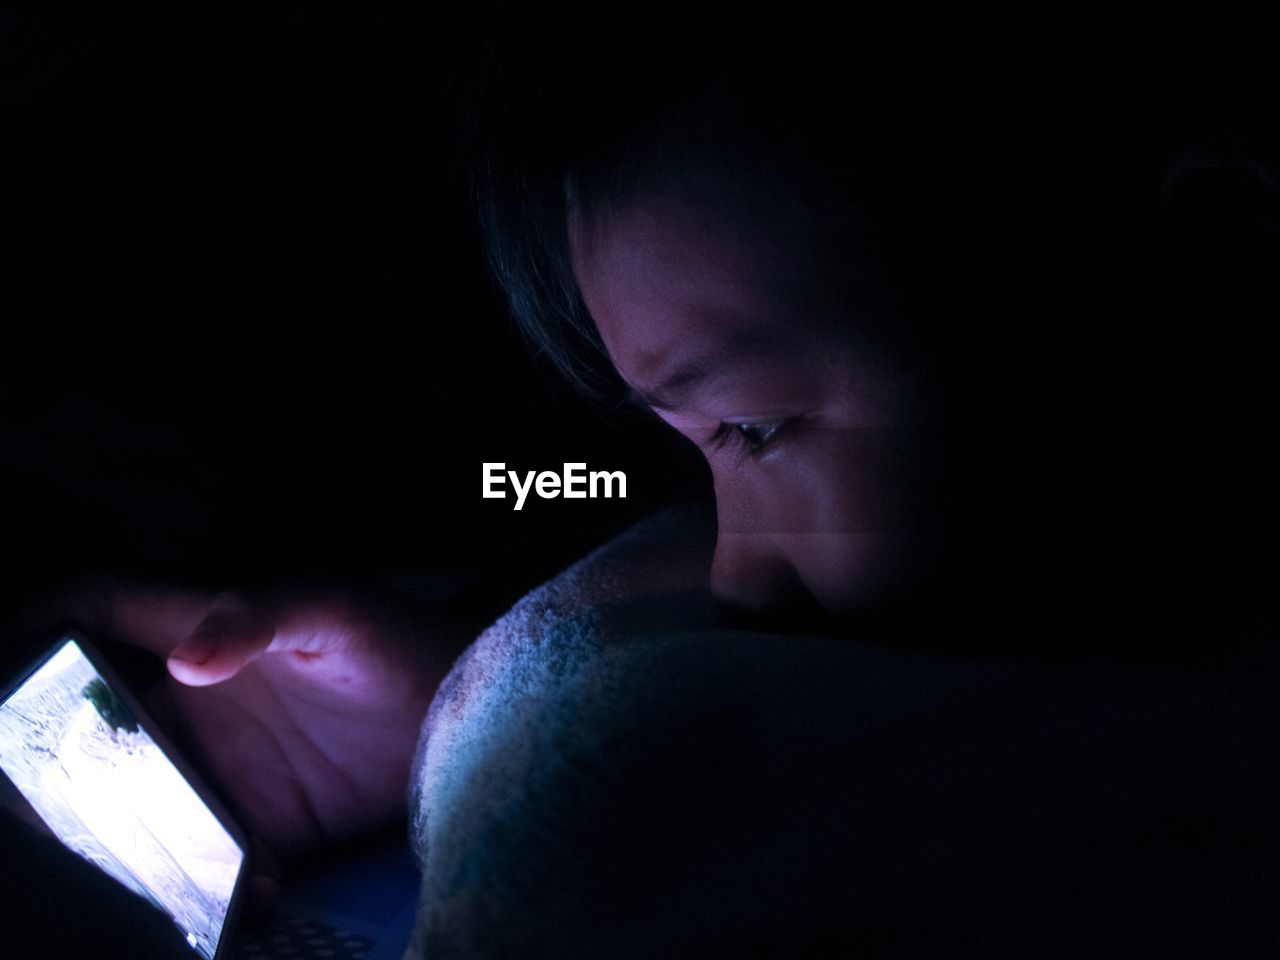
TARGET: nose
(752,577)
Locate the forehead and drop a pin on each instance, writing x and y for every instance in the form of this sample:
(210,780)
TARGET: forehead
(663,274)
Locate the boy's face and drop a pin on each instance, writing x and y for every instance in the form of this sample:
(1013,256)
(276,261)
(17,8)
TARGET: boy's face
(725,327)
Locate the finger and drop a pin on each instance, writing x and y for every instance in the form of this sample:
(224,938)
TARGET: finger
(232,634)
(151,618)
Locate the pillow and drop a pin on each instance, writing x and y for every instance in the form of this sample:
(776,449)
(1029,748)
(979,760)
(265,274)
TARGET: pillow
(607,772)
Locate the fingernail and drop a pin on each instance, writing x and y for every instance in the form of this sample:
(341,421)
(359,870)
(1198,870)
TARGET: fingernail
(197,650)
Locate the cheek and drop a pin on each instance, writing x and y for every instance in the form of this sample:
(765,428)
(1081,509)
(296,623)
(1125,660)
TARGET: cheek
(839,570)
(822,508)
(831,481)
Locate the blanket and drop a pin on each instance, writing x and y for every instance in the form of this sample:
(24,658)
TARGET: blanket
(609,772)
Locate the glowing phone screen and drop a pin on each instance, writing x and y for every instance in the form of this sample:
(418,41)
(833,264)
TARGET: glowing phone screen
(107,791)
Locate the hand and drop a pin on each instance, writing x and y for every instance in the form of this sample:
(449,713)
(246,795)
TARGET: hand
(305,710)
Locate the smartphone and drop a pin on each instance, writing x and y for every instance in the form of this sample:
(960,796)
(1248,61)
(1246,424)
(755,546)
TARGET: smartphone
(89,767)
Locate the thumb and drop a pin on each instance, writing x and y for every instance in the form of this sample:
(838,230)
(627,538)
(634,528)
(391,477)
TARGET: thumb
(231,635)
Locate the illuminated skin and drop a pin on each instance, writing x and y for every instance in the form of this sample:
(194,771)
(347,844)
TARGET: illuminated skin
(718,324)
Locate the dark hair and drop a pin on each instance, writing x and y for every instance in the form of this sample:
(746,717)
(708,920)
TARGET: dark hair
(815,130)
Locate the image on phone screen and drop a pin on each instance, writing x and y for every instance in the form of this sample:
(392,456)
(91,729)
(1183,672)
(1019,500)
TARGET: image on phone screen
(104,787)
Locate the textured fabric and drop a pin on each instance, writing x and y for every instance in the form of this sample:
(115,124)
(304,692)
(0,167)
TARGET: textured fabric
(607,774)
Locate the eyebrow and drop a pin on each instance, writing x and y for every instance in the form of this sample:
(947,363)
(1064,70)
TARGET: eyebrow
(690,374)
